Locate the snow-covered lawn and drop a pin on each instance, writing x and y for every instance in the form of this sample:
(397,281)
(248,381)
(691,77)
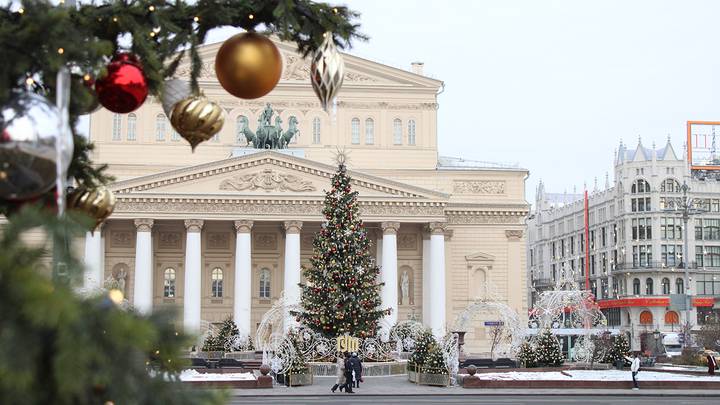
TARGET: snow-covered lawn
(594,375)
(192,375)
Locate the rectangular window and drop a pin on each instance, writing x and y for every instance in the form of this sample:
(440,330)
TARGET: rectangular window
(671,255)
(397,132)
(603,237)
(355,131)
(572,245)
(411,132)
(707,256)
(116,126)
(711,229)
(592,265)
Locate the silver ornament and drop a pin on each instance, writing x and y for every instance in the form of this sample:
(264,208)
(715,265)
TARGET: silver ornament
(174,91)
(327,71)
(30,131)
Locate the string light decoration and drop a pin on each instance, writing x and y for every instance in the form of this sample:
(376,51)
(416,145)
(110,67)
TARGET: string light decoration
(341,295)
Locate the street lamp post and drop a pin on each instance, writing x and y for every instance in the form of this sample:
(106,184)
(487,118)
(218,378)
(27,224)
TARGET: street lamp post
(686,207)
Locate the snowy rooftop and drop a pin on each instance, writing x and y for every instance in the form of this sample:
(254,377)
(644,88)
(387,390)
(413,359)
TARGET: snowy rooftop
(456,163)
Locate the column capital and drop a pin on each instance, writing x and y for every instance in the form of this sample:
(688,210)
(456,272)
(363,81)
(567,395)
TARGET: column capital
(144,224)
(292,226)
(243,226)
(194,225)
(390,228)
(514,234)
(437,228)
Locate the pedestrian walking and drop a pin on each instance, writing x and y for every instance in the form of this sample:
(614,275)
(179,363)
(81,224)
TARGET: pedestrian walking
(340,374)
(357,370)
(634,369)
(712,364)
(348,385)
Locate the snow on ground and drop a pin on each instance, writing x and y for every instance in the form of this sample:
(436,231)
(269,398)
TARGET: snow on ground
(193,375)
(594,375)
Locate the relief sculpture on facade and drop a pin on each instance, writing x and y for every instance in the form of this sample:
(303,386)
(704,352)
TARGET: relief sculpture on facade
(478,187)
(268,180)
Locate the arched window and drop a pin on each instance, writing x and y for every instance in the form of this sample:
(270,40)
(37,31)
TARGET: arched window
(116,127)
(132,123)
(649,286)
(217,282)
(174,136)
(646,318)
(397,131)
(670,186)
(265,283)
(355,131)
(169,283)
(240,125)
(640,186)
(679,286)
(411,132)
(636,286)
(666,285)
(369,131)
(316,130)
(671,318)
(160,126)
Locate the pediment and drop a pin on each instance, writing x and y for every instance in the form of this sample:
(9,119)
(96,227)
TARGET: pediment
(263,175)
(296,69)
(480,257)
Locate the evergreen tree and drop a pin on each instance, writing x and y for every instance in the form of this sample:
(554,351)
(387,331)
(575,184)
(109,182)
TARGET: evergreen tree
(526,355)
(298,362)
(341,295)
(547,349)
(59,348)
(427,356)
(619,350)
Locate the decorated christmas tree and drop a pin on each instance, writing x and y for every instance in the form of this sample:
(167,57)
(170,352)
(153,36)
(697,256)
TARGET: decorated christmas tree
(619,350)
(427,357)
(526,355)
(341,295)
(547,350)
(298,360)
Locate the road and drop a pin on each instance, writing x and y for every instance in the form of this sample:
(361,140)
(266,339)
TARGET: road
(592,399)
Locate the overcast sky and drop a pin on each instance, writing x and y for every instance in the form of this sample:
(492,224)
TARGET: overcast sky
(555,85)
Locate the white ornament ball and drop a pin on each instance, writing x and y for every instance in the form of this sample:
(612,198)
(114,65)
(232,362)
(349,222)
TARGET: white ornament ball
(174,91)
(29,126)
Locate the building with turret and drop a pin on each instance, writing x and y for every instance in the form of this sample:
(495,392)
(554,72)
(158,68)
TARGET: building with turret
(636,239)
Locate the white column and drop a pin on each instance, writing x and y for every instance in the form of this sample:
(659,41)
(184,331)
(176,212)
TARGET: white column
(437,278)
(142,291)
(426,283)
(378,247)
(192,298)
(94,260)
(292,268)
(242,298)
(388,274)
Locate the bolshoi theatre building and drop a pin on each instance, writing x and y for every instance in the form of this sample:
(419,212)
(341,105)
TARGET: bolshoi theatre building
(225,231)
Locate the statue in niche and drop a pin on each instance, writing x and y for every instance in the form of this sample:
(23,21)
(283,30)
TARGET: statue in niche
(405,288)
(116,279)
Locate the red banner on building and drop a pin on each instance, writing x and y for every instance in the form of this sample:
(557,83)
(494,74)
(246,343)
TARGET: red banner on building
(651,302)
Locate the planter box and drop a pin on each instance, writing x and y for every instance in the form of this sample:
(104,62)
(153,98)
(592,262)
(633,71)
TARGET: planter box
(440,380)
(296,380)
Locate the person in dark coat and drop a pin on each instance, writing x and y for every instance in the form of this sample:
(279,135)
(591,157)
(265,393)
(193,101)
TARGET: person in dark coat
(348,385)
(712,364)
(357,368)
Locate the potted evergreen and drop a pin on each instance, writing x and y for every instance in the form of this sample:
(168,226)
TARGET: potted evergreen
(426,364)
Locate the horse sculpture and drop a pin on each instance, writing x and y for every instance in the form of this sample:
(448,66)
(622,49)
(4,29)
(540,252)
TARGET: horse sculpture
(269,136)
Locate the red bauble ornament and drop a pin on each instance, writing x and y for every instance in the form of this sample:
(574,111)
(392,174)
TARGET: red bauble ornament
(124,88)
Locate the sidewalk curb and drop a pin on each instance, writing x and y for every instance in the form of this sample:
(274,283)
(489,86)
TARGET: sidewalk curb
(490,394)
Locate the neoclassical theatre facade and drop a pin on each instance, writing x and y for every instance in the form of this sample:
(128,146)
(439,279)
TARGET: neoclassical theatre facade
(224,231)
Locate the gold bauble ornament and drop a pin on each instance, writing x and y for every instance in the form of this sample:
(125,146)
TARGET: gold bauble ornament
(327,71)
(98,203)
(197,119)
(248,65)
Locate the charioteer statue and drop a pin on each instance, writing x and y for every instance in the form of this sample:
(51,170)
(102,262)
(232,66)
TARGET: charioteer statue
(269,136)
